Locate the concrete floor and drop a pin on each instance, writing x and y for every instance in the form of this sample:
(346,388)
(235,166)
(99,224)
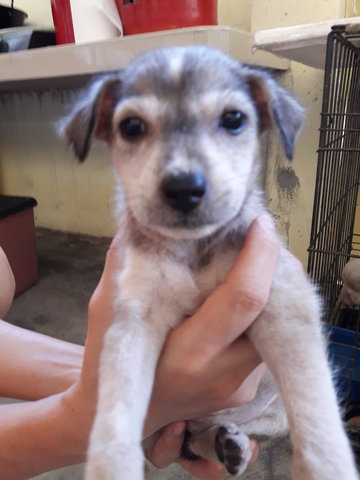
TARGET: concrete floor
(70,266)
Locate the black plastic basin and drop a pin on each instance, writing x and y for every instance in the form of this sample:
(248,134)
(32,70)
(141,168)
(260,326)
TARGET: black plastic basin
(11,17)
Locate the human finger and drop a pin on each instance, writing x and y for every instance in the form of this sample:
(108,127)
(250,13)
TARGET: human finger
(167,447)
(231,376)
(101,313)
(204,469)
(245,391)
(240,353)
(255,451)
(101,305)
(113,262)
(236,303)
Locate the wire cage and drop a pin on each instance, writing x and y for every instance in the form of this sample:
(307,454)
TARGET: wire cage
(334,236)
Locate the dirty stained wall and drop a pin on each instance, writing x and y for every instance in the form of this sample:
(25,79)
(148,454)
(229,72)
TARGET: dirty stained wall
(78,198)
(35,162)
(290,186)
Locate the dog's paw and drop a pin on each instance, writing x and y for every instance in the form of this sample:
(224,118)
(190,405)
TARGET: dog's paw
(232,448)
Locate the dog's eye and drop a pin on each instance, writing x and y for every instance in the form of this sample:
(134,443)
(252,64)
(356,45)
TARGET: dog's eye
(132,128)
(233,121)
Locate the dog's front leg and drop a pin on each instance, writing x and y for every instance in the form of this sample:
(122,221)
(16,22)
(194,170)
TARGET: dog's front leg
(127,367)
(144,315)
(288,336)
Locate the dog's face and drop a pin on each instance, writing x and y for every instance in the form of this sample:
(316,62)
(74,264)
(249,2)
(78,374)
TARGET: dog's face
(183,127)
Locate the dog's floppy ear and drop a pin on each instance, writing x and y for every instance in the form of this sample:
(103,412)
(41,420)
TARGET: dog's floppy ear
(91,116)
(276,108)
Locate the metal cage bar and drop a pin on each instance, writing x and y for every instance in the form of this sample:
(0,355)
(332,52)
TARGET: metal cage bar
(333,239)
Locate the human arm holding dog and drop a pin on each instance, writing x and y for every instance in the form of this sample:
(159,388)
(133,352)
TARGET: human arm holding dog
(53,431)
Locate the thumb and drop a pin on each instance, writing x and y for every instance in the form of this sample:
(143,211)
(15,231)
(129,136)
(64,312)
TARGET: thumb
(167,447)
(113,263)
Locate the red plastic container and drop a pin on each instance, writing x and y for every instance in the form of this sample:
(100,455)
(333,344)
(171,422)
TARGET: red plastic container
(61,13)
(17,239)
(142,16)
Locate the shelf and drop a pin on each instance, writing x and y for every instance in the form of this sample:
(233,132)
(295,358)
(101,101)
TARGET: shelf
(65,65)
(302,43)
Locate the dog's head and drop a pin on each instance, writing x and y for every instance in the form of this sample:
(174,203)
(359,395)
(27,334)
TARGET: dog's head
(183,127)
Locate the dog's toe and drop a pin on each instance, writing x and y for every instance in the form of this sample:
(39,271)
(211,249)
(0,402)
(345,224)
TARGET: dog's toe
(233,449)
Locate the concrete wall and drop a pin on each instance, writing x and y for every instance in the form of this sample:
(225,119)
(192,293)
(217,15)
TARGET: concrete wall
(290,187)
(236,13)
(33,162)
(78,197)
(39,11)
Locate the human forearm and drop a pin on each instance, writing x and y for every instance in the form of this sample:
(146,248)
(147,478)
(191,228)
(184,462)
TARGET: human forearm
(40,436)
(45,434)
(36,365)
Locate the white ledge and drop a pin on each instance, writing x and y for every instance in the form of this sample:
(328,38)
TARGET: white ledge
(55,66)
(303,43)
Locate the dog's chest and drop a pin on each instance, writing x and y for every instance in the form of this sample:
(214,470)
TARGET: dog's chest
(214,273)
(161,286)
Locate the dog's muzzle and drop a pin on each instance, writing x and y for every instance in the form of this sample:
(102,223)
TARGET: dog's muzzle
(184,191)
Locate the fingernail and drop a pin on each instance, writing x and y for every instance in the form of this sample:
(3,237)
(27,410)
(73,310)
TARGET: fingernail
(178,429)
(266,221)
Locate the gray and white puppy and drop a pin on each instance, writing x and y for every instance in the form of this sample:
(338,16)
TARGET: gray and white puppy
(183,128)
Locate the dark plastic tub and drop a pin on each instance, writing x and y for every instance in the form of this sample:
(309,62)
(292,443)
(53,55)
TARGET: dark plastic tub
(11,17)
(10,205)
(17,239)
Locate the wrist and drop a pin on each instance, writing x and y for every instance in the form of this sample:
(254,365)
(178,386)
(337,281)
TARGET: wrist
(41,435)
(157,417)
(78,413)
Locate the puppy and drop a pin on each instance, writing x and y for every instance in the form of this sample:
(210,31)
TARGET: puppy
(183,128)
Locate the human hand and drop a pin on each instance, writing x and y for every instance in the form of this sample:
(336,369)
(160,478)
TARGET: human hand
(167,450)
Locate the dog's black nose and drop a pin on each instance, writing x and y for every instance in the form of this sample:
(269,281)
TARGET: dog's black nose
(184,191)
